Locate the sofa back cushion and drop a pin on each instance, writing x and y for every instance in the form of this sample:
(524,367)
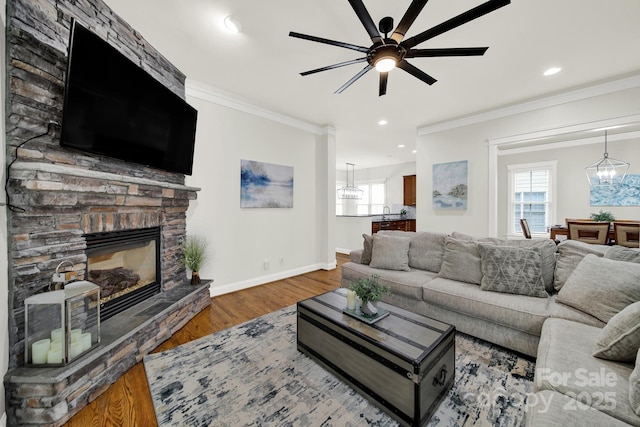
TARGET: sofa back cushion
(570,253)
(621,253)
(634,386)
(427,251)
(620,338)
(512,270)
(390,252)
(601,287)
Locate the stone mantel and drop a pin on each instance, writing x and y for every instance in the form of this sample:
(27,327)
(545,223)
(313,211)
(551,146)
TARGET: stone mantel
(88,173)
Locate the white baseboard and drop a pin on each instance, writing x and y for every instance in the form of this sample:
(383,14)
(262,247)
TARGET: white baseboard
(3,420)
(238,286)
(343,251)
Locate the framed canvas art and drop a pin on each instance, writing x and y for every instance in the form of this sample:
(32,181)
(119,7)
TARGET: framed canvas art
(627,193)
(450,185)
(265,185)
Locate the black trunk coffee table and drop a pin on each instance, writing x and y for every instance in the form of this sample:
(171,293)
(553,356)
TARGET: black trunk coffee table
(404,363)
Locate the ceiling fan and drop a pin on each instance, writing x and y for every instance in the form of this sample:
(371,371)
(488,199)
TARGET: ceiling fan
(386,53)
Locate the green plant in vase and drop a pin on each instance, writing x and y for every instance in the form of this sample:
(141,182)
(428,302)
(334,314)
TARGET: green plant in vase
(194,254)
(603,216)
(370,291)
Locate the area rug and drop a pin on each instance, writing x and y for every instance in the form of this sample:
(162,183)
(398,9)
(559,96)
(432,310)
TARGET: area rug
(253,375)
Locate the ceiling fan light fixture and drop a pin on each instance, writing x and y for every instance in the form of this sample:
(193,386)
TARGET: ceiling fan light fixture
(232,24)
(385,64)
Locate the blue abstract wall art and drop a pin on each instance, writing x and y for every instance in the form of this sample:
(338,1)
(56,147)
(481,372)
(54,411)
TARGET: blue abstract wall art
(265,185)
(450,185)
(626,193)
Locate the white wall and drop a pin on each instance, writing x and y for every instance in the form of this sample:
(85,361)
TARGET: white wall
(470,143)
(240,240)
(4,274)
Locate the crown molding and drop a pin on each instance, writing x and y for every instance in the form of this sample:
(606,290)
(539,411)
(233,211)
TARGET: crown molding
(550,101)
(208,93)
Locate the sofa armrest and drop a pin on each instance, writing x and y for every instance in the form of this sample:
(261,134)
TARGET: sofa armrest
(356,256)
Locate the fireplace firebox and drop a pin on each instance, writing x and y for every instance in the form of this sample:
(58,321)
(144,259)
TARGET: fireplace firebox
(126,267)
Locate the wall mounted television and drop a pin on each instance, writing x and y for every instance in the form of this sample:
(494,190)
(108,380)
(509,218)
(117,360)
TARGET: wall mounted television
(115,108)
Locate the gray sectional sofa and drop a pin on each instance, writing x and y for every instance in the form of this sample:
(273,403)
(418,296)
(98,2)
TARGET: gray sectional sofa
(561,304)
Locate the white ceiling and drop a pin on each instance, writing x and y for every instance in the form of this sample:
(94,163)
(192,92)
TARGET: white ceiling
(592,40)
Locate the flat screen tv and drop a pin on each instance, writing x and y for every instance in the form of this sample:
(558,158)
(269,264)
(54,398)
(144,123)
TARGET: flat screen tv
(115,108)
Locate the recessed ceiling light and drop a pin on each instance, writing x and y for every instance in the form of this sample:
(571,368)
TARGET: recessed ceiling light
(553,70)
(382,122)
(414,151)
(232,24)
(400,145)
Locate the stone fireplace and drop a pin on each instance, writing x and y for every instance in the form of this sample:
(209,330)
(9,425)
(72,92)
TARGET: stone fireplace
(63,201)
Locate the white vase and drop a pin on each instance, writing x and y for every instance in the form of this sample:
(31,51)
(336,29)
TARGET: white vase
(369,308)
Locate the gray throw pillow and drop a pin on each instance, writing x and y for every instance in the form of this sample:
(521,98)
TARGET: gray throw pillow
(621,253)
(620,338)
(601,287)
(634,387)
(512,270)
(390,253)
(570,253)
(368,247)
(461,261)
(427,251)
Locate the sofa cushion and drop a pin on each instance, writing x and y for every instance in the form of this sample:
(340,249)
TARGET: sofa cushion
(570,253)
(522,313)
(367,249)
(634,386)
(620,339)
(458,253)
(561,311)
(427,251)
(565,365)
(390,252)
(621,253)
(601,287)
(404,283)
(511,270)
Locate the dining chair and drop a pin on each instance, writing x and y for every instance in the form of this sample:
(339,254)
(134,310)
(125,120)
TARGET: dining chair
(525,228)
(626,233)
(589,231)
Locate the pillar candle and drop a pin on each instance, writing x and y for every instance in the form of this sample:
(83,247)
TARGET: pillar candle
(85,341)
(39,350)
(75,334)
(351,300)
(76,349)
(54,356)
(57,334)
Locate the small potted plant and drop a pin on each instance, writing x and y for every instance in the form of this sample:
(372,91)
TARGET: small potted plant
(603,216)
(403,212)
(370,291)
(194,253)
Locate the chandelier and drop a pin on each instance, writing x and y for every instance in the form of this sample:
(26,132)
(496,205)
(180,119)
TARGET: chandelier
(350,191)
(607,171)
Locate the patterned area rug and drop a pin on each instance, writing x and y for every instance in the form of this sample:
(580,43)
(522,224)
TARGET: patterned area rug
(253,375)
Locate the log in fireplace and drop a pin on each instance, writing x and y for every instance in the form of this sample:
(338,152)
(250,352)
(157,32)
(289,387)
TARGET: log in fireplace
(126,267)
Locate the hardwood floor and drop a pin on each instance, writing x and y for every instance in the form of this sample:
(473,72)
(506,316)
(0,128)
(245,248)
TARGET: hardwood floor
(128,402)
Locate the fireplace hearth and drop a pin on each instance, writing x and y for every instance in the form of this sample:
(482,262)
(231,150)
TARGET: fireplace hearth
(126,266)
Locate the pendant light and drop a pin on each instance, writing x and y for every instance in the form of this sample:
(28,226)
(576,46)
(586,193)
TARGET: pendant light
(607,171)
(350,191)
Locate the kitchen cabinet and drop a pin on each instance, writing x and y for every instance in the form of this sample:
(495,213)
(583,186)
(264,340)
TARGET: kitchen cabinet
(402,225)
(409,190)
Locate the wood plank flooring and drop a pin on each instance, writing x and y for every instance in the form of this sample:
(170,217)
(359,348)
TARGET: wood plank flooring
(128,401)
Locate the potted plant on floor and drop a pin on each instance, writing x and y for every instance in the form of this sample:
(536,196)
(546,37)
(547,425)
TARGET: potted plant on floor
(194,253)
(370,291)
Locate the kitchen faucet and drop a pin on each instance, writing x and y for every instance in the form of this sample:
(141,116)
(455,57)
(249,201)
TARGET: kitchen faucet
(386,210)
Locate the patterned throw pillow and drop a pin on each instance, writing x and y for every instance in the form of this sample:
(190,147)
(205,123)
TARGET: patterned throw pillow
(620,338)
(634,386)
(390,253)
(512,270)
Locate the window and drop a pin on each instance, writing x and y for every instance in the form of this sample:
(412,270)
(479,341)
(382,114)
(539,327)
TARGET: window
(372,202)
(531,196)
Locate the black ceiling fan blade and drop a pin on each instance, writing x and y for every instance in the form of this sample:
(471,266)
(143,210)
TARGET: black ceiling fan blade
(453,51)
(383,83)
(331,67)
(365,18)
(410,15)
(329,42)
(354,78)
(416,72)
(454,22)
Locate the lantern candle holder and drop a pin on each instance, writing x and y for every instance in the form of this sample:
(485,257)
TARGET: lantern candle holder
(62,325)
